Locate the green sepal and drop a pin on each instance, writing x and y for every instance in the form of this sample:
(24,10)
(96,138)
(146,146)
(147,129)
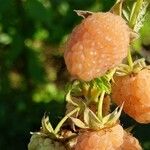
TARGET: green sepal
(138,65)
(78,123)
(113,117)
(125,69)
(91,120)
(46,125)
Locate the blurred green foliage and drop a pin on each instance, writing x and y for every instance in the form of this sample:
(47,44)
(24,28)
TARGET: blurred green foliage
(32,70)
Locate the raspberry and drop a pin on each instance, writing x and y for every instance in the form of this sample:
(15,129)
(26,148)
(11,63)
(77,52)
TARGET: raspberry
(96,45)
(38,142)
(130,143)
(134,91)
(105,139)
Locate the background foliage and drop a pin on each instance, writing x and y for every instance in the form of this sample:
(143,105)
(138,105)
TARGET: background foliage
(32,70)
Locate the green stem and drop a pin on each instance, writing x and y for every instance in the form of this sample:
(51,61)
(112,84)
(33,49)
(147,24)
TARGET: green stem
(100,105)
(57,129)
(129,57)
(135,13)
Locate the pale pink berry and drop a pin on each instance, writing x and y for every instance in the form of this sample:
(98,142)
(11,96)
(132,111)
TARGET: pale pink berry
(134,91)
(96,45)
(104,139)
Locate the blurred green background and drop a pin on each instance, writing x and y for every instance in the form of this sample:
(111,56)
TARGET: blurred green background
(32,70)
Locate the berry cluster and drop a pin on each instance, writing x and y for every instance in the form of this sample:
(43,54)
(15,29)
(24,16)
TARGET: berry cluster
(94,54)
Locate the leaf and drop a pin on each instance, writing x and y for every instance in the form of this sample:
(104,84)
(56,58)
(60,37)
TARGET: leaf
(126,14)
(83,13)
(127,9)
(141,16)
(78,123)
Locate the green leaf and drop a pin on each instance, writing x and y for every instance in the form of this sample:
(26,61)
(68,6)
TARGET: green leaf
(127,9)
(137,14)
(141,16)
(126,14)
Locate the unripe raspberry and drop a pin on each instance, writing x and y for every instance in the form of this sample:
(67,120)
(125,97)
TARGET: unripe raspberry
(96,45)
(134,91)
(37,142)
(105,139)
